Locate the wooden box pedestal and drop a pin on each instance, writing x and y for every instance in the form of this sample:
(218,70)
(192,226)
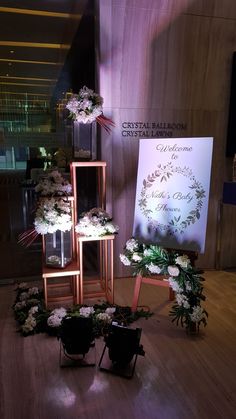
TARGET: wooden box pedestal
(67,278)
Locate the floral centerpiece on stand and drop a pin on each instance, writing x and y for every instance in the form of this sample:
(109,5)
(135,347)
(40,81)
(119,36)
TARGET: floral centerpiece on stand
(53,211)
(87,107)
(86,110)
(95,222)
(52,214)
(184,279)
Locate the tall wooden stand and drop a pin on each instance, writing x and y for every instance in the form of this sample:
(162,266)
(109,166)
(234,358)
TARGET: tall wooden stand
(103,284)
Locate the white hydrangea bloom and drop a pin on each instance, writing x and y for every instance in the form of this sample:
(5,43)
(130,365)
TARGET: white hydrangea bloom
(24,296)
(105,317)
(188,286)
(33,291)
(86,106)
(33,310)
(59,312)
(154,269)
(197,314)
(182,261)
(20,305)
(86,311)
(110,310)
(56,316)
(136,257)
(29,324)
(96,222)
(182,300)
(131,245)
(125,260)
(52,215)
(173,270)
(174,285)
(147,252)
(54,321)
(111,228)
(53,184)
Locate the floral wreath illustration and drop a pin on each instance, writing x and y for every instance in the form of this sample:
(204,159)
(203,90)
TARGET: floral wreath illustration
(164,173)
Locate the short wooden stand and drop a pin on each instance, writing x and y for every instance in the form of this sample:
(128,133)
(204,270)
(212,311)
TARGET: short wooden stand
(72,271)
(160,282)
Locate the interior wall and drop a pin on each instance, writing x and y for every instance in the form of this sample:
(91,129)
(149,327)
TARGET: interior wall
(165,61)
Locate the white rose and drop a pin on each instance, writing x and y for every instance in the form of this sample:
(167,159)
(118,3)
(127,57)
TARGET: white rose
(182,261)
(136,257)
(131,245)
(154,269)
(173,270)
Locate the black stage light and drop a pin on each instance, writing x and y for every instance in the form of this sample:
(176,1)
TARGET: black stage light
(123,346)
(76,338)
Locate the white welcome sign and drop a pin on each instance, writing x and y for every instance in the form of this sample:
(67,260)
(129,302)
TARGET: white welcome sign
(172,192)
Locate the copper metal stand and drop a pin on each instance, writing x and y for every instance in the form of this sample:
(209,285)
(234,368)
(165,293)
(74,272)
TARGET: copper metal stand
(105,279)
(72,273)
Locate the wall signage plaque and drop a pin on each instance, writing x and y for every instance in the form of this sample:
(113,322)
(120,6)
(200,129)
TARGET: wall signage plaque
(172,192)
(139,129)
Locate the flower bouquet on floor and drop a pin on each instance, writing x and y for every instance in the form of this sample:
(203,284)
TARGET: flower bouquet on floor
(185,280)
(32,316)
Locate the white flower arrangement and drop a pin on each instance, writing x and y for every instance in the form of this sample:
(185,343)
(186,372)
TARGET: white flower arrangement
(104,317)
(53,185)
(86,311)
(33,317)
(184,279)
(87,107)
(53,214)
(96,222)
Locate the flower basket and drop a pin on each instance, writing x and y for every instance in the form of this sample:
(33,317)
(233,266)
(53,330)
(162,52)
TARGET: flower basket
(58,249)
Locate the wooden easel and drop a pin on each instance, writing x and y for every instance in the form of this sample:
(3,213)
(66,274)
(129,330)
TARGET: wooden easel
(158,280)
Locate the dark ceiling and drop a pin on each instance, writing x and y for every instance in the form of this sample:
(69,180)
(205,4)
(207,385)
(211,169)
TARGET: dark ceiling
(36,57)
